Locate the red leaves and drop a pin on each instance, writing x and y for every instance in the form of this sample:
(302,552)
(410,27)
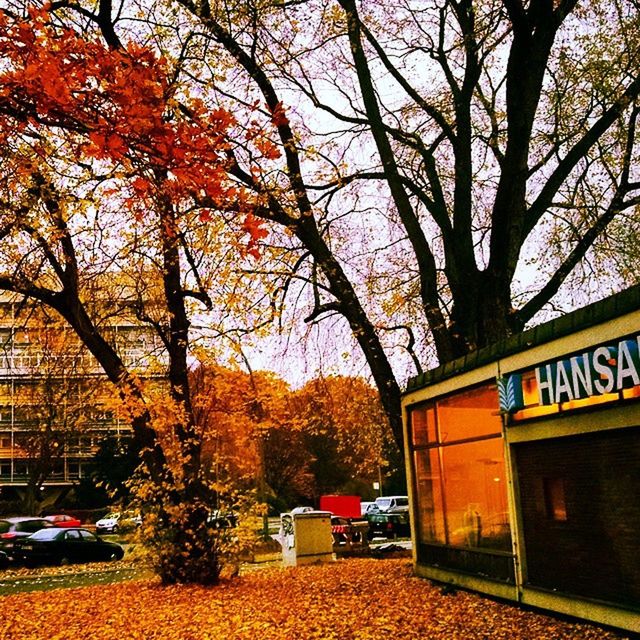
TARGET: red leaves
(205,215)
(278,115)
(254,227)
(116,99)
(105,145)
(119,107)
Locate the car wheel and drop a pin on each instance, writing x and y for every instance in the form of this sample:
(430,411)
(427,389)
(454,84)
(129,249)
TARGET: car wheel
(64,561)
(115,529)
(117,555)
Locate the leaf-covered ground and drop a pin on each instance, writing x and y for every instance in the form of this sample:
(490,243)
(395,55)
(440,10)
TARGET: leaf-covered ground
(347,600)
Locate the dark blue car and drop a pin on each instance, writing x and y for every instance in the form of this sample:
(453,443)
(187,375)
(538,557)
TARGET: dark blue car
(65,545)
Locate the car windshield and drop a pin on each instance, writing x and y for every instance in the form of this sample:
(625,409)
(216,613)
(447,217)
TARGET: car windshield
(383,503)
(45,534)
(4,526)
(111,516)
(30,526)
(378,517)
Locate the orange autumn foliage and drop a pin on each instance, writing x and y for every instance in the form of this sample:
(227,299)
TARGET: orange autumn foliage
(306,442)
(233,409)
(347,600)
(348,410)
(122,108)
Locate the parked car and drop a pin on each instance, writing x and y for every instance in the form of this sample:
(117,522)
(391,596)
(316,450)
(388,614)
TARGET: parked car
(63,520)
(389,524)
(297,510)
(393,503)
(114,522)
(63,545)
(4,560)
(12,529)
(368,507)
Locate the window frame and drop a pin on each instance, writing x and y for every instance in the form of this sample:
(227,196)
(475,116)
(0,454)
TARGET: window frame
(440,445)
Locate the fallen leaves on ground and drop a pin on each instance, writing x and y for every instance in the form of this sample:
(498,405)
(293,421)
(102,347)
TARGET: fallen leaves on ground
(357,599)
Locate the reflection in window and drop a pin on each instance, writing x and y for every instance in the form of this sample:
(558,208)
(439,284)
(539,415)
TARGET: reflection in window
(423,423)
(431,526)
(475,495)
(469,414)
(87,535)
(554,500)
(460,475)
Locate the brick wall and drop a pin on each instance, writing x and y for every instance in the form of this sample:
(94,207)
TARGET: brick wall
(580,501)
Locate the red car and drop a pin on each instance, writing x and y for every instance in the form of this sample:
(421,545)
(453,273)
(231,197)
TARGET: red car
(63,520)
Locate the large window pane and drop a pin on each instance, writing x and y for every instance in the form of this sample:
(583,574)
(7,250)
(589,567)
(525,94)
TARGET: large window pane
(469,414)
(430,522)
(423,425)
(475,494)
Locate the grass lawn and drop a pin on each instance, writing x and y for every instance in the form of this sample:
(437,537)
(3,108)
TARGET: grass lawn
(356,599)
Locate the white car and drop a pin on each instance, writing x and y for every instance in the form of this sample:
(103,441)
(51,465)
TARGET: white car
(112,522)
(393,503)
(368,507)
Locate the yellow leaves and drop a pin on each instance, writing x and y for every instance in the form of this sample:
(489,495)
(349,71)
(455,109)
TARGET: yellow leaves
(348,600)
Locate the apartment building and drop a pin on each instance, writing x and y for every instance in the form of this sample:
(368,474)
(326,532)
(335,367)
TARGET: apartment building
(56,404)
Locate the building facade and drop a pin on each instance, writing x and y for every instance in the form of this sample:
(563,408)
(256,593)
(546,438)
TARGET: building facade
(56,404)
(524,466)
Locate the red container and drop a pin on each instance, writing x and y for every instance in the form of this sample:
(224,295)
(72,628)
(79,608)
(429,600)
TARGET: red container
(345,506)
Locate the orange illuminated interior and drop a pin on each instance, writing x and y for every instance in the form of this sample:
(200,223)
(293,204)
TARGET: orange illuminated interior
(423,425)
(469,414)
(461,488)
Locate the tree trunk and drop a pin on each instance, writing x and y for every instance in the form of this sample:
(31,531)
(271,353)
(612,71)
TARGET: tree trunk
(363,330)
(186,549)
(30,504)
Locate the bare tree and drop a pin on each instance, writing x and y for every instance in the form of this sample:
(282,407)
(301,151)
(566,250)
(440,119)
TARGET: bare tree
(429,150)
(504,132)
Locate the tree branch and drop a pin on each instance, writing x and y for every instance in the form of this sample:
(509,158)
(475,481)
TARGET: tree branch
(575,154)
(424,256)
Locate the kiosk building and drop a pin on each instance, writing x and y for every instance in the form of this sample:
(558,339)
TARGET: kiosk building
(523,461)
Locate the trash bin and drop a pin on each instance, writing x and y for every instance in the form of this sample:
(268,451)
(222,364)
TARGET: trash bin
(306,537)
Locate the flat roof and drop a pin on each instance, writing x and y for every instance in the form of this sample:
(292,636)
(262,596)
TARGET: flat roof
(607,309)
